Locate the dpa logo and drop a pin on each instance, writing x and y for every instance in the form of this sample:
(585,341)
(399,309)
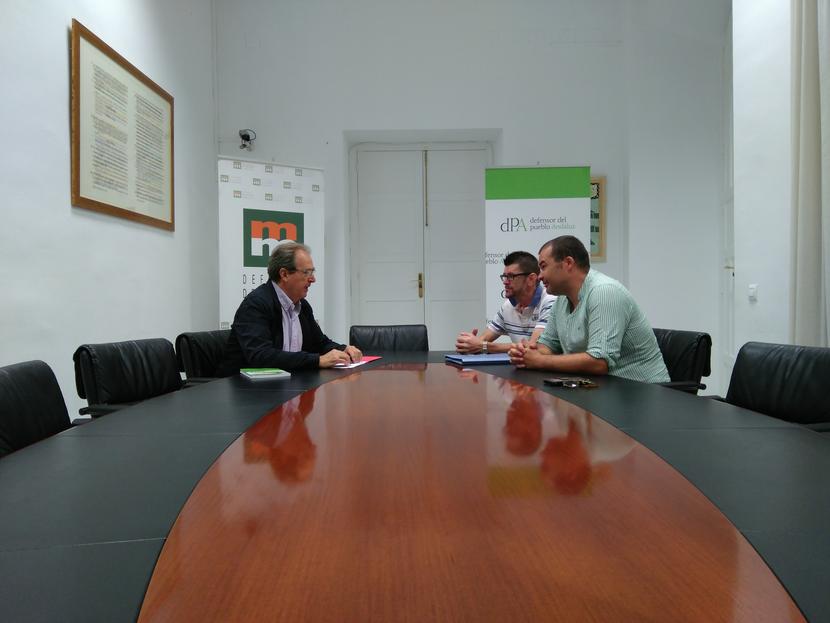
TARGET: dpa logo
(263,229)
(513,224)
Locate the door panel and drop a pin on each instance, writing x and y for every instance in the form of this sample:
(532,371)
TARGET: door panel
(390,237)
(395,244)
(447,317)
(454,244)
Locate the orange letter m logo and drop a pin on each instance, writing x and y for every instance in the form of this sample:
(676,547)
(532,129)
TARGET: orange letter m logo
(263,229)
(258,229)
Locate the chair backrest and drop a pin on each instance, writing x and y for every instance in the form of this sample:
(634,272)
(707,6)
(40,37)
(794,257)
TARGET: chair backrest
(394,337)
(200,353)
(131,371)
(783,381)
(687,354)
(31,405)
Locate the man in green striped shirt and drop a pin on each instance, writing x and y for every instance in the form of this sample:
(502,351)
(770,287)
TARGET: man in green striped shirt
(595,327)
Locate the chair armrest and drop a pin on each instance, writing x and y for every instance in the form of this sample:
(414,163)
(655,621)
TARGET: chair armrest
(198,380)
(99,410)
(684,386)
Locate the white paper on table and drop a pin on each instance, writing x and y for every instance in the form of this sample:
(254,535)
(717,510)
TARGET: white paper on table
(346,366)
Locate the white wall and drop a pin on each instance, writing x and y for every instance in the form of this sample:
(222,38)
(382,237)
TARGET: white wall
(313,77)
(675,96)
(71,276)
(630,88)
(763,178)
(633,89)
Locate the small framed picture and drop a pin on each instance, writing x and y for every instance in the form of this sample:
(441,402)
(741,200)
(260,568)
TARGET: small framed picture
(598,219)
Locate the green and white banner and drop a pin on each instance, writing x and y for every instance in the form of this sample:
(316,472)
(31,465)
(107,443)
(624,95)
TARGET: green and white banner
(260,204)
(524,208)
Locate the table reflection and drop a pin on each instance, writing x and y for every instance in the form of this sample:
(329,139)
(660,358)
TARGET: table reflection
(570,450)
(281,439)
(523,426)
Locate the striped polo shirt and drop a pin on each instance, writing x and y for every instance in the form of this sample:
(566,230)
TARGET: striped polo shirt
(519,325)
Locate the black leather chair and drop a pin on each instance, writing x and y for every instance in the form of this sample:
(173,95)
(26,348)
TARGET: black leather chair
(200,353)
(31,405)
(687,355)
(783,381)
(114,375)
(394,337)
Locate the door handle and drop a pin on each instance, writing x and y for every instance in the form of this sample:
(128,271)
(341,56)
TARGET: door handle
(420,285)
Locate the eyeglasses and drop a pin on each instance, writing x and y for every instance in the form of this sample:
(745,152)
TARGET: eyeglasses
(308,272)
(511,277)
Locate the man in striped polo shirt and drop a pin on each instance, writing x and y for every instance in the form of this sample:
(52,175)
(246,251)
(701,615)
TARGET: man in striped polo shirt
(523,315)
(595,327)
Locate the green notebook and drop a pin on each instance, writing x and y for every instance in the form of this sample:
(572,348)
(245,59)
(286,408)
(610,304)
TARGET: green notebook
(264,373)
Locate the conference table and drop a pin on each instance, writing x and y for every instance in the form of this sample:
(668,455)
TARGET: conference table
(408,489)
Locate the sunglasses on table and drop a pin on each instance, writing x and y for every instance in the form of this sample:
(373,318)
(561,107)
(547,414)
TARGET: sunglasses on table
(570,383)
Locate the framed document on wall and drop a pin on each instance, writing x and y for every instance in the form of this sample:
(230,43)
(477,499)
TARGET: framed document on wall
(598,219)
(122,136)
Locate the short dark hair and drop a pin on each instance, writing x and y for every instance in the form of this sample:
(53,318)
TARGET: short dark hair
(283,257)
(569,246)
(527,263)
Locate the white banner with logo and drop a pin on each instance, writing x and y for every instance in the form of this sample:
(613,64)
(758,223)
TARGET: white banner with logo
(260,204)
(526,207)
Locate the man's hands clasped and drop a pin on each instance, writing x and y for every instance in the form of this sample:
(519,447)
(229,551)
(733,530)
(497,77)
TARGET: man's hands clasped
(525,355)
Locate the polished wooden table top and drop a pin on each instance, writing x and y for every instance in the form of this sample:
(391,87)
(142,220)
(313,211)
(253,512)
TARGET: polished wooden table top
(424,492)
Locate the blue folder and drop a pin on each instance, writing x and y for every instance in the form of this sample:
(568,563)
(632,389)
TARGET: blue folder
(478,360)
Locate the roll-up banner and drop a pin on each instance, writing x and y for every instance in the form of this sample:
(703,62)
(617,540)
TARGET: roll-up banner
(260,204)
(527,206)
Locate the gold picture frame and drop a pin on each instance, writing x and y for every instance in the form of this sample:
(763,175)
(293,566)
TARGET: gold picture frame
(122,136)
(598,218)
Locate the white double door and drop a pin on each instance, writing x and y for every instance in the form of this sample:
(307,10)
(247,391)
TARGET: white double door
(418,237)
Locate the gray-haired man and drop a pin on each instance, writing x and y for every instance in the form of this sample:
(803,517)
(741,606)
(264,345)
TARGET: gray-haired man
(274,326)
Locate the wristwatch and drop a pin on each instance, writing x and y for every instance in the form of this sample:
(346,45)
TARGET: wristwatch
(484,346)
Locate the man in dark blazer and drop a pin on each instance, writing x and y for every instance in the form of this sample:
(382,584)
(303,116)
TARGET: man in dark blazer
(274,326)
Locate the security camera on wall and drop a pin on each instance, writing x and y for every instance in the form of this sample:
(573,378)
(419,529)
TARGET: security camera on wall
(248,137)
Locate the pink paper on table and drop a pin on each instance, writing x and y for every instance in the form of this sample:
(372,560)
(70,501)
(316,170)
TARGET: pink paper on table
(346,366)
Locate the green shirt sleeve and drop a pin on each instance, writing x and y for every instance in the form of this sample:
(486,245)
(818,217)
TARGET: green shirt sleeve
(608,311)
(550,336)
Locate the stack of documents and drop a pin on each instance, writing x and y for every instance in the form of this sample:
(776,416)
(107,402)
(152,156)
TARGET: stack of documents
(264,373)
(478,360)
